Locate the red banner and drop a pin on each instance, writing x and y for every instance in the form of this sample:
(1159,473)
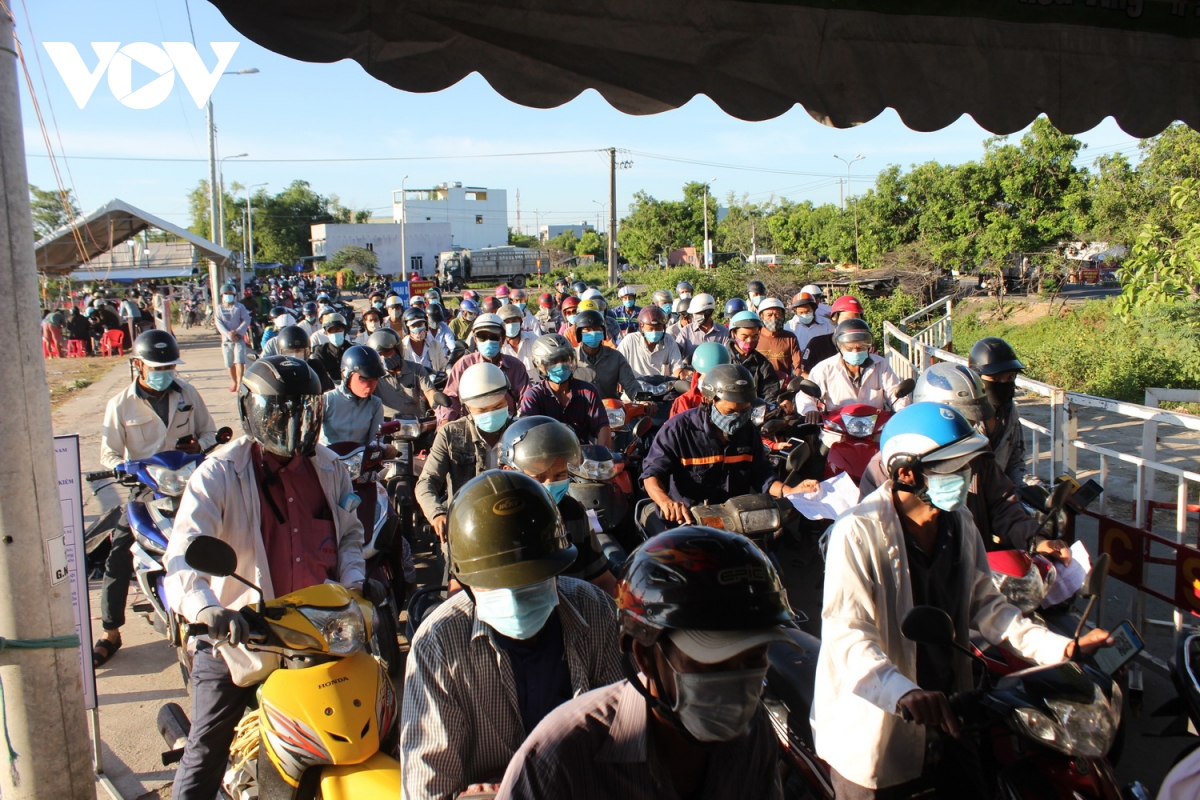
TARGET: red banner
(419,287)
(1130,549)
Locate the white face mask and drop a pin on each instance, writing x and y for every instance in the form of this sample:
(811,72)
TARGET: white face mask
(717,706)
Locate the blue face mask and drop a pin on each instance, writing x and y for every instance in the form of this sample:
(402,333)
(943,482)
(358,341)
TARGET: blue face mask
(856,359)
(560,373)
(593,338)
(571,319)
(558,489)
(227,298)
(503,301)
(520,306)
(629,302)
(337,338)
(491,421)
(377,304)
(729,423)
(948,492)
(159,380)
(488,349)
(517,613)
(653,337)
(755,299)
(806,319)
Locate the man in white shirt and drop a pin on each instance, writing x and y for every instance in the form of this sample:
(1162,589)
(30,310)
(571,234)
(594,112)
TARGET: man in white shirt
(649,350)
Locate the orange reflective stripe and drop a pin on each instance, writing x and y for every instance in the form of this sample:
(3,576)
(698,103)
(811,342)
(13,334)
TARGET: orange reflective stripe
(697,462)
(738,459)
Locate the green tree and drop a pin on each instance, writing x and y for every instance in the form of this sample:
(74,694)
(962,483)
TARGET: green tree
(518,239)
(592,244)
(1163,269)
(198,209)
(51,211)
(359,259)
(283,223)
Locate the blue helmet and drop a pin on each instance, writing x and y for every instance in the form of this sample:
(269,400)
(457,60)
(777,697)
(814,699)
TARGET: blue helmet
(930,436)
(745,319)
(709,355)
(734,306)
(363,361)
(469,306)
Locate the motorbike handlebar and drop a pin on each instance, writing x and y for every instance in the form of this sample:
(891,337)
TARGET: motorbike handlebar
(100,476)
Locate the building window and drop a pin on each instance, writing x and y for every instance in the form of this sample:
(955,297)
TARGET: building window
(371,246)
(479,219)
(475,195)
(418,263)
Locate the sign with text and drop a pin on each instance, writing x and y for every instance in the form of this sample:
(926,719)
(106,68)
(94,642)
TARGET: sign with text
(66,555)
(1130,549)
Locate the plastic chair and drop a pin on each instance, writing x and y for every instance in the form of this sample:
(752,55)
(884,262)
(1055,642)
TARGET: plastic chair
(75,349)
(50,349)
(113,342)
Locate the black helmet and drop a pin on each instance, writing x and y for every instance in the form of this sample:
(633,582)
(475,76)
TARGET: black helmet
(384,339)
(992,355)
(756,287)
(436,314)
(280,404)
(156,348)
(363,361)
(279,311)
(732,383)
(589,319)
(293,337)
(533,444)
(415,314)
(310,308)
(505,532)
(852,331)
(702,579)
(579,287)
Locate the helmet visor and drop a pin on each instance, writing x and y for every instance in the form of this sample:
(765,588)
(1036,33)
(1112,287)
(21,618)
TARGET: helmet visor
(285,425)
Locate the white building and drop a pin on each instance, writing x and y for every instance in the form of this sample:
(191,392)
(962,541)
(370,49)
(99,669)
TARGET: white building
(548,232)
(422,242)
(477,217)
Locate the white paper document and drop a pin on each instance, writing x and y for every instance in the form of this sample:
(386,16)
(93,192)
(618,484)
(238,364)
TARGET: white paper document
(1070,576)
(836,496)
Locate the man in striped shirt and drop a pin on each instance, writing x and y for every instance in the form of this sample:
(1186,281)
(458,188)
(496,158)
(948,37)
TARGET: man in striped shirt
(488,664)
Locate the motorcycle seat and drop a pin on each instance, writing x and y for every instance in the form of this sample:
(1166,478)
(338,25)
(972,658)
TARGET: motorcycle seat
(791,675)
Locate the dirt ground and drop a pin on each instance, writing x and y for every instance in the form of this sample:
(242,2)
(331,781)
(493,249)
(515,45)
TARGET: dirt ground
(67,376)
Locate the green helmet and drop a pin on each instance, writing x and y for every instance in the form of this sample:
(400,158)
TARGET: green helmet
(709,355)
(505,532)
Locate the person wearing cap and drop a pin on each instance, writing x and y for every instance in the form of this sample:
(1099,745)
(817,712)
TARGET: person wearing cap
(558,394)
(330,351)
(698,609)
(421,348)
(562,290)
(912,543)
(292,341)
(745,331)
(997,364)
(372,320)
(702,328)
(352,411)
(845,307)
(468,310)
(814,333)
(394,307)
(680,319)
(487,335)
(777,343)
(157,411)
(614,330)
(570,310)
(648,349)
(438,328)
(487,665)
(518,341)
(503,295)
(232,321)
(627,310)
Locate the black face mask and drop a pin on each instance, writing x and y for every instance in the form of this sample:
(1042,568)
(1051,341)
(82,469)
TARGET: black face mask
(1000,394)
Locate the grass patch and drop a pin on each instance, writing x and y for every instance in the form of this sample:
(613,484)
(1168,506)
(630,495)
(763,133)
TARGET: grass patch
(67,377)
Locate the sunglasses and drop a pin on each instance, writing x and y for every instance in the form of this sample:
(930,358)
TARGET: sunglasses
(486,337)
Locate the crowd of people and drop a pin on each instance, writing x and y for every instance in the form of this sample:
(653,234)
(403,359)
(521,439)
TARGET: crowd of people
(545,674)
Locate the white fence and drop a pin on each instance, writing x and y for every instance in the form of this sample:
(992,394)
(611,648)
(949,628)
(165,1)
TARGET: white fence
(1056,449)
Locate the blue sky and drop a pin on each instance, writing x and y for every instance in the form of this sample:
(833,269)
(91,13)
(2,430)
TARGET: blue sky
(295,110)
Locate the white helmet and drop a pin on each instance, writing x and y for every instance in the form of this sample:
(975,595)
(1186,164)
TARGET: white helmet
(770,302)
(814,290)
(702,302)
(957,386)
(480,380)
(681,306)
(488,321)
(598,296)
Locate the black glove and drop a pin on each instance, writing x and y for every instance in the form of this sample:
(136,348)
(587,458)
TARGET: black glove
(224,622)
(812,417)
(374,591)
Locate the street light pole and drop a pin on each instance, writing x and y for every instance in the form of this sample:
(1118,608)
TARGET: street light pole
(403,244)
(221,196)
(706,264)
(213,274)
(855,201)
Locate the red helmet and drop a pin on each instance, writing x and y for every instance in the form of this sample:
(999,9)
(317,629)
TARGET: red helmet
(545,300)
(846,303)
(569,303)
(490,304)
(803,299)
(470,294)
(652,315)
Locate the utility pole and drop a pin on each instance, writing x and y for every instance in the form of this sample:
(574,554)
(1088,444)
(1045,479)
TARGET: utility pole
(214,274)
(612,216)
(704,263)
(849,163)
(403,276)
(43,697)
(519,212)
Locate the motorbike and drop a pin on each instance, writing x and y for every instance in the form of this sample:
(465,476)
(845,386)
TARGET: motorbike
(630,433)
(850,434)
(325,721)
(602,484)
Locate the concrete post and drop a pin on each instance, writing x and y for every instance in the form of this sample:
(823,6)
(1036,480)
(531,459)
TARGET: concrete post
(43,695)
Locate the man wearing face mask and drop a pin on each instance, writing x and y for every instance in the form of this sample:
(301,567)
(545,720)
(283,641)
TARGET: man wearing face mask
(280,318)
(158,411)
(711,453)
(232,321)
(352,411)
(814,333)
(855,375)
(394,307)
(372,320)
(683,290)
(997,363)
(570,310)
(488,664)
(648,350)
(293,341)
(776,343)
(487,335)
(465,447)
(310,323)
(330,352)
(606,367)
(698,609)
(547,450)
(756,292)
(468,310)
(407,389)
(518,342)
(912,543)
(419,347)
(520,300)
(562,396)
(627,311)
(744,333)
(701,329)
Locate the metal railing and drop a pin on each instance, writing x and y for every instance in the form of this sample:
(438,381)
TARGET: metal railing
(1059,442)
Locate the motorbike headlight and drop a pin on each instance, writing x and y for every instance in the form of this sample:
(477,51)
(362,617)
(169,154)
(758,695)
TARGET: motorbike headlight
(760,519)
(616,417)
(758,414)
(1084,730)
(171,481)
(1026,593)
(343,628)
(353,464)
(596,470)
(860,427)
(409,429)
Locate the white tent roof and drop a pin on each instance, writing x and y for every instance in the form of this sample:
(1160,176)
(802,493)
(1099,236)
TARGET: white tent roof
(101,231)
(136,274)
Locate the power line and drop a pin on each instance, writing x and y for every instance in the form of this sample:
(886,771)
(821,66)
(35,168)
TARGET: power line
(323,160)
(742,167)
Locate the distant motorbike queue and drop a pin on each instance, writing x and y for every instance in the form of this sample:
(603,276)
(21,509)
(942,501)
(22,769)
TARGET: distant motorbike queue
(607,494)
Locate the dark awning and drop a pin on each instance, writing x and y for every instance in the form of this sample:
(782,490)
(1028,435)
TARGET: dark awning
(1004,62)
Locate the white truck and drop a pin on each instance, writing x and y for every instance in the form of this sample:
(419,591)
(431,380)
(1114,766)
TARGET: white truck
(494,265)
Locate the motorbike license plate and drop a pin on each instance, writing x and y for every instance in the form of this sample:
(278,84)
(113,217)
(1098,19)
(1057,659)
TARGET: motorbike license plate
(403,451)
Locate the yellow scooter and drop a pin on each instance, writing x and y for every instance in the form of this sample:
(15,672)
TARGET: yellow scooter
(326,716)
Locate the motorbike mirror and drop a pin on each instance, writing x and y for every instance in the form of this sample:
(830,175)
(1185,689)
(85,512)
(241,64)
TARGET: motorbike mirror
(682,387)
(928,625)
(905,388)
(211,555)
(1058,498)
(642,427)
(440,399)
(773,426)
(224,435)
(809,388)
(1093,584)
(799,455)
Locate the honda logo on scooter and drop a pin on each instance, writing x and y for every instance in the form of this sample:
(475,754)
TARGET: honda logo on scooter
(165,61)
